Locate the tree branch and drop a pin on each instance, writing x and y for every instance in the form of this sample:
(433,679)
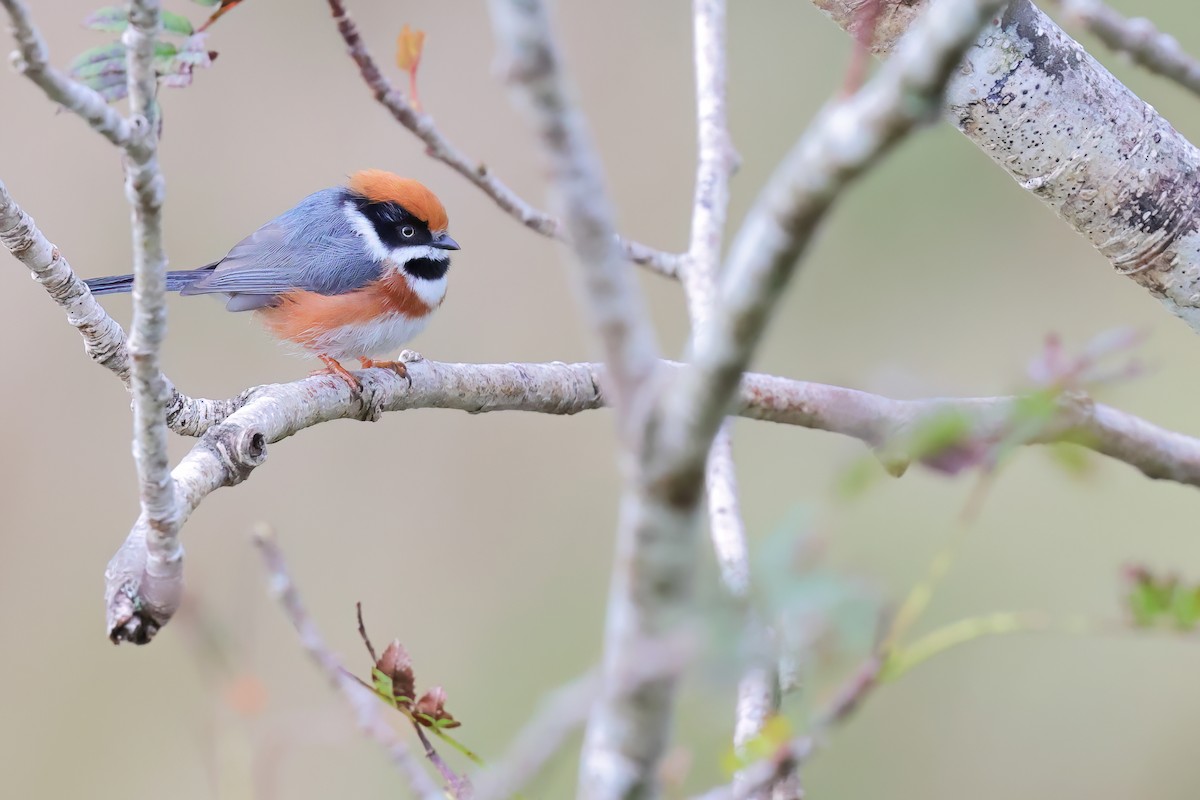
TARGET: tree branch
(1030,97)
(157,529)
(655,559)
(611,294)
(103,339)
(366,707)
(441,148)
(33,61)
(231,448)
(1137,38)
(757,694)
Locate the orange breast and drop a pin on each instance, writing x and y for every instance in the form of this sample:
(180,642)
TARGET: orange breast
(302,316)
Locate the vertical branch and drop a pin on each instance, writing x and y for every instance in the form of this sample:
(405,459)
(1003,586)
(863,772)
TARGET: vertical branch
(144,187)
(757,694)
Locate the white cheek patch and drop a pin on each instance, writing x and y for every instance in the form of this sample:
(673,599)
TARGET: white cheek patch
(431,292)
(363,227)
(381,337)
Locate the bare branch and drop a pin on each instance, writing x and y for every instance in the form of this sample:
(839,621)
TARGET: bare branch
(103,338)
(158,527)
(655,553)
(366,707)
(611,293)
(757,691)
(1137,38)
(231,449)
(441,148)
(1121,184)
(33,61)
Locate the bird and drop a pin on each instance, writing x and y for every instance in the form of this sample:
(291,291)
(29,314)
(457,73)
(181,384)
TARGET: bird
(352,271)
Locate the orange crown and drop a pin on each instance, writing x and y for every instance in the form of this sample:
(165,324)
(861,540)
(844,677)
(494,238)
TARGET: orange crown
(380,186)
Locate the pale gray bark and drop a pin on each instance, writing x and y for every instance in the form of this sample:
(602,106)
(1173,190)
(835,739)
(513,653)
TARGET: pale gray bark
(1069,132)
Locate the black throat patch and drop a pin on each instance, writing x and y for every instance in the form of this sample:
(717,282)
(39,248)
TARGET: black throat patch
(426,269)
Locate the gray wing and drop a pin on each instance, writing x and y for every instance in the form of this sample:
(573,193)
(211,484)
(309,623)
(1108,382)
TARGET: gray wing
(311,247)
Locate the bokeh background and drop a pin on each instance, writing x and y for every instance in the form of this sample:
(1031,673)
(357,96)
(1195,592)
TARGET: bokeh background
(484,543)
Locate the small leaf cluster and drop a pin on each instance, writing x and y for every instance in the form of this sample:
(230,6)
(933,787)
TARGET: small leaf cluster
(1161,600)
(177,55)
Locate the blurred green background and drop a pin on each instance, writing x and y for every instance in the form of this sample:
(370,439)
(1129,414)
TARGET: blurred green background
(484,543)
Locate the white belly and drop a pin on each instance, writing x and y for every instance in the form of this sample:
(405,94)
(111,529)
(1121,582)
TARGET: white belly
(381,337)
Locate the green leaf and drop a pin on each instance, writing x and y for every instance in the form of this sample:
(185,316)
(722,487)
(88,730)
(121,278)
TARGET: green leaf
(206,2)
(457,745)
(176,23)
(1185,607)
(384,687)
(106,52)
(939,433)
(1148,601)
(113,19)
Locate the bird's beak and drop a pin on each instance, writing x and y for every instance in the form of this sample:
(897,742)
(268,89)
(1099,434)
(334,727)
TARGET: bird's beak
(444,242)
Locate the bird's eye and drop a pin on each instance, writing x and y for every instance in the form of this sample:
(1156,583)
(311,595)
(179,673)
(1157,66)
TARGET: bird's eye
(408,232)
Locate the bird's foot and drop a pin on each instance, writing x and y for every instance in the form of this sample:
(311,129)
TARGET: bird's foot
(398,367)
(332,367)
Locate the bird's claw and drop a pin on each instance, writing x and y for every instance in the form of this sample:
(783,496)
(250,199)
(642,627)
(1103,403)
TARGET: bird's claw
(398,367)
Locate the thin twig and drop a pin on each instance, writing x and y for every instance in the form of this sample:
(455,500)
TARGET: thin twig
(362,632)
(459,786)
(367,708)
(438,146)
(1137,38)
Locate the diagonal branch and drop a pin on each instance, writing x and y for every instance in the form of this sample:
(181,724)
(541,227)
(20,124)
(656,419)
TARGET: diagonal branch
(103,339)
(611,294)
(651,590)
(367,708)
(1030,97)
(33,61)
(1137,38)
(441,148)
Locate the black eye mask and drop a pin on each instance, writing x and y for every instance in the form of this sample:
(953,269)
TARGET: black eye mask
(389,220)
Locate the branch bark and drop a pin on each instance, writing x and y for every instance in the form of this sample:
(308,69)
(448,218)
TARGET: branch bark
(135,582)
(757,694)
(440,147)
(1030,97)
(367,708)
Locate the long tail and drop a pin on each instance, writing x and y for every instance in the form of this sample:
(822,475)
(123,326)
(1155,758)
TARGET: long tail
(116,284)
